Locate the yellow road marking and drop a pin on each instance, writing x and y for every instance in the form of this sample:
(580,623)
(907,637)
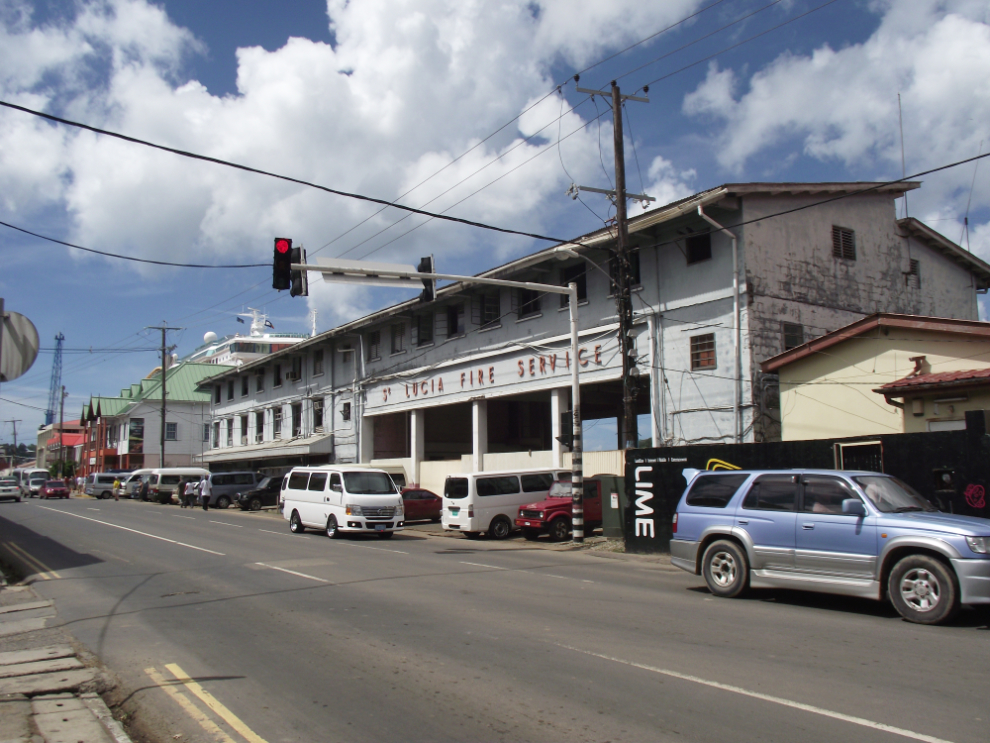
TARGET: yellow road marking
(210,701)
(191,709)
(44,570)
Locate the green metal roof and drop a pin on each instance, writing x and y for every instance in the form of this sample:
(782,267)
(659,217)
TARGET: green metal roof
(181,382)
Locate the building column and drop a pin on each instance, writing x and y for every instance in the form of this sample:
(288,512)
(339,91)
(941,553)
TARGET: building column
(367,452)
(479,419)
(558,404)
(417,441)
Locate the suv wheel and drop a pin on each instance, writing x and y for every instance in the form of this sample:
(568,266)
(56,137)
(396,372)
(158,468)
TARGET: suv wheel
(223,501)
(923,590)
(725,569)
(560,530)
(255,504)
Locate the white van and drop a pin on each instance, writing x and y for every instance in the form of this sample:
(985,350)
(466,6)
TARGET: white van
(476,502)
(163,482)
(342,499)
(130,484)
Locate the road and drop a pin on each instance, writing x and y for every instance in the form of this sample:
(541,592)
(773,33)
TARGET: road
(222,625)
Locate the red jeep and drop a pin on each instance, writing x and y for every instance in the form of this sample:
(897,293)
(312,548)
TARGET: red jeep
(553,515)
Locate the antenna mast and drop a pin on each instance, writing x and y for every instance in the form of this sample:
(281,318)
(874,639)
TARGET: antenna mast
(55,389)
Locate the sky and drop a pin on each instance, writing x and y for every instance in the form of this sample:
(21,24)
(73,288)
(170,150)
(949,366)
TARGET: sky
(464,107)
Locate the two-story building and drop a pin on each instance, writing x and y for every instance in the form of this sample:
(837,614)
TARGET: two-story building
(479,378)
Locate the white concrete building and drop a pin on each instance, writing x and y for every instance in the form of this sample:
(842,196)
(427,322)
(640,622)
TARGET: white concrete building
(478,378)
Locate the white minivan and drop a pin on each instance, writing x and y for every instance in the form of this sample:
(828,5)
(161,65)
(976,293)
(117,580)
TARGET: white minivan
(339,499)
(476,502)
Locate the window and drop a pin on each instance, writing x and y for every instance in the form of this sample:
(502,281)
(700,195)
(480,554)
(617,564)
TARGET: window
(374,342)
(171,431)
(792,334)
(317,362)
(529,303)
(298,480)
(773,493)
(634,275)
(536,483)
(318,481)
(455,320)
(244,386)
(206,432)
(699,248)
(487,309)
(399,337)
(424,329)
(497,485)
(259,427)
(216,434)
(216,394)
(824,495)
(297,367)
(276,423)
(261,380)
(843,243)
(345,411)
(714,491)
(703,351)
(913,275)
(297,420)
(578,274)
(230,389)
(230,432)
(318,415)
(244,430)
(278,376)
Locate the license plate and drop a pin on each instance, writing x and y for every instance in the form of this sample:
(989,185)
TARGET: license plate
(455,511)
(379,527)
(527,523)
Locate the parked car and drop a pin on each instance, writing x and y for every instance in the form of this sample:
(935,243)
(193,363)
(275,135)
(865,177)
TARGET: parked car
(36,483)
(10,489)
(340,499)
(854,533)
(53,489)
(553,514)
(420,504)
(266,494)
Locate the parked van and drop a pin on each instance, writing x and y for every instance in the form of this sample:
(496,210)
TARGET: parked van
(226,486)
(30,480)
(164,482)
(342,499)
(100,484)
(131,483)
(476,502)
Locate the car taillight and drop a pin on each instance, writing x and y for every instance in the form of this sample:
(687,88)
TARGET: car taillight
(470,512)
(673,524)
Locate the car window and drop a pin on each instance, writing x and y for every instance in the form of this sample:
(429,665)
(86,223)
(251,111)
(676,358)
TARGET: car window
(335,481)
(298,480)
(244,478)
(773,493)
(318,481)
(368,483)
(714,491)
(497,485)
(536,483)
(825,495)
(455,487)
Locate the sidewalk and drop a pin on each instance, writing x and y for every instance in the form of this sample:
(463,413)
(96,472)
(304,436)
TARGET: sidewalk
(47,694)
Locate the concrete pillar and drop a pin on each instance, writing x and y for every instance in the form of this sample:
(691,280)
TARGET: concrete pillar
(367,452)
(558,404)
(479,419)
(417,442)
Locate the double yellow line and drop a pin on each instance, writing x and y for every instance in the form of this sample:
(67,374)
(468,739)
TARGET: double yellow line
(44,572)
(172,688)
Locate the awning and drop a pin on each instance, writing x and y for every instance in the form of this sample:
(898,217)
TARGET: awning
(297,447)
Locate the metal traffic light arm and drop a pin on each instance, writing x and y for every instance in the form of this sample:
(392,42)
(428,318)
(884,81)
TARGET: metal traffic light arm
(385,274)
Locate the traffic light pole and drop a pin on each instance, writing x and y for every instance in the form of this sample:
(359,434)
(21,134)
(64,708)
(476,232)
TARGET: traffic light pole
(391,275)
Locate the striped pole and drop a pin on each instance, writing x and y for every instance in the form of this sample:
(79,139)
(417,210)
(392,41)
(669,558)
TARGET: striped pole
(577,467)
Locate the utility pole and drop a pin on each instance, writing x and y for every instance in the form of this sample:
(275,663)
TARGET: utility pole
(164,328)
(14,424)
(623,297)
(61,433)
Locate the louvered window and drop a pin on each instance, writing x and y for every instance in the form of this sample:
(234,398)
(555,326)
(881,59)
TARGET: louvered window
(843,243)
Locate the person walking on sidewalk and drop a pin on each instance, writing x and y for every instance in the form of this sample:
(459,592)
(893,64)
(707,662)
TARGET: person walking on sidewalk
(116,488)
(205,491)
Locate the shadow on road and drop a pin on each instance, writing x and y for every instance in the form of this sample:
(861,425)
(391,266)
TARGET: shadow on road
(20,548)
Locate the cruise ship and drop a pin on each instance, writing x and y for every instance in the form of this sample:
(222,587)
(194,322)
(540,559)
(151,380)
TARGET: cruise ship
(234,350)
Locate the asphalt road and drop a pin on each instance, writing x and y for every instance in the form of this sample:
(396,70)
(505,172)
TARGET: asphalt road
(225,619)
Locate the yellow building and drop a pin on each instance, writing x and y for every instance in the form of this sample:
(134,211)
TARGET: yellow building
(829,386)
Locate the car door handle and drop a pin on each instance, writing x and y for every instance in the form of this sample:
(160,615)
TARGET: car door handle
(743,522)
(807,526)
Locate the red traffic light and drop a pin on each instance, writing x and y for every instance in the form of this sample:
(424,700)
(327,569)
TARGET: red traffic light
(282,245)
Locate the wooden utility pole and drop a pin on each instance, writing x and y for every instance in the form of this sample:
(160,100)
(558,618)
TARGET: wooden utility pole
(163,327)
(61,434)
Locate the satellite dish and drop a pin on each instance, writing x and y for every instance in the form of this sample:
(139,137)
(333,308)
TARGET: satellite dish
(209,337)
(19,348)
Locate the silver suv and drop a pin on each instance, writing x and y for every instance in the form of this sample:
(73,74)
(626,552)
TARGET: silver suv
(853,533)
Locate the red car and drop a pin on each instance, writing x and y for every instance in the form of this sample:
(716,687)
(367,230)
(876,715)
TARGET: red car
(553,514)
(421,504)
(53,489)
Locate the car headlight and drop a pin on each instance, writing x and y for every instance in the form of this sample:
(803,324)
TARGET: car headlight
(354,510)
(980,545)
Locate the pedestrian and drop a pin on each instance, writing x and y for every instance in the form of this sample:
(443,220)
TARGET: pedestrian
(187,496)
(144,488)
(205,491)
(116,488)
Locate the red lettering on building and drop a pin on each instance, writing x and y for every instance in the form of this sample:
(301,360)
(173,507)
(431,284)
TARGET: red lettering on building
(491,375)
(598,354)
(522,368)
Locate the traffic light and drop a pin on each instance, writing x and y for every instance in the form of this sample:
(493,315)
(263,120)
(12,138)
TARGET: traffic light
(430,292)
(300,280)
(282,264)
(567,429)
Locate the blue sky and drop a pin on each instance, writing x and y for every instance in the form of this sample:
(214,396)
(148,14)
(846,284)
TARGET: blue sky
(378,96)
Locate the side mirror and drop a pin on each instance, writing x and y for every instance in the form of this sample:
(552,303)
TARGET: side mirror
(336,487)
(853,506)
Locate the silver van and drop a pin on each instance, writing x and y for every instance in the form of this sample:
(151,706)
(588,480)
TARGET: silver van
(100,484)
(226,485)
